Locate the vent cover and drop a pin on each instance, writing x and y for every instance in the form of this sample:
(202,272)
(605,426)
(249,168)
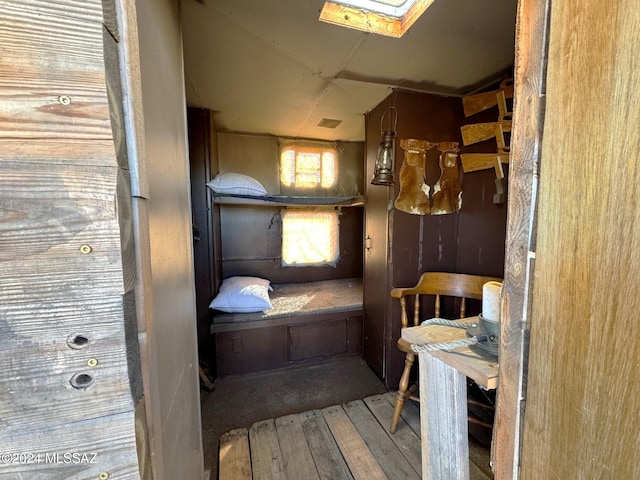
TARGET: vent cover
(329,123)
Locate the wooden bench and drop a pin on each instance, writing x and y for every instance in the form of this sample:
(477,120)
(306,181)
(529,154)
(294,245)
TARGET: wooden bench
(308,321)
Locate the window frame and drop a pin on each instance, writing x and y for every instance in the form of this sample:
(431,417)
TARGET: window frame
(307,148)
(334,236)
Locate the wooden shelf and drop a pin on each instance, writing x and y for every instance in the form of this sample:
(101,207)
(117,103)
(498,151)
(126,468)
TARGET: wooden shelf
(283,201)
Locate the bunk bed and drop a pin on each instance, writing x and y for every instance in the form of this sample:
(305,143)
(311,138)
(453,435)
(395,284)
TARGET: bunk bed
(292,322)
(284,200)
(308,320)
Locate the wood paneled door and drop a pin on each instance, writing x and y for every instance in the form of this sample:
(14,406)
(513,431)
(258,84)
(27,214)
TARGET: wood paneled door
(571,294)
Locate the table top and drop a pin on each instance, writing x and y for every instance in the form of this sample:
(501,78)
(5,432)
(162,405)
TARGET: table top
(481,367)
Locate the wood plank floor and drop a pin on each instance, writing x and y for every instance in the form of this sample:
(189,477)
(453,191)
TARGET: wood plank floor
(349,441)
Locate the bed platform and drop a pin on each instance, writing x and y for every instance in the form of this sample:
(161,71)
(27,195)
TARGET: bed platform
(308,321)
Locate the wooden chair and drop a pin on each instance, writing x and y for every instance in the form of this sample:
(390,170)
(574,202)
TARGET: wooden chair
(436,284)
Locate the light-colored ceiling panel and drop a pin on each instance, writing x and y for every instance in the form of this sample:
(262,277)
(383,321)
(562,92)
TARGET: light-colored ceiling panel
(456,45)
(272,67)
(289,26)
(362,96)
(345,100)
(250,85)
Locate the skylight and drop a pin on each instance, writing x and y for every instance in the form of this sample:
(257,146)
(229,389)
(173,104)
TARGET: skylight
(391,8)
(385,17)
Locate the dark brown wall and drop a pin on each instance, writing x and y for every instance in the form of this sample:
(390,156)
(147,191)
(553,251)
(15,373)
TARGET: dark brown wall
(252,245)
(252,236)
(469,241)
(206,222)
(481,223)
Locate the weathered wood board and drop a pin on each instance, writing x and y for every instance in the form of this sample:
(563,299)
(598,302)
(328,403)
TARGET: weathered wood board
(266,458)
(404,437)
(443,418)
(390,458)
(100,445)
(234,458)
(526,135)
(361,462)
(296,455)
(481,368)
(410,413)
(341,442)
(325,451)
(34,366)
(52,211)
(63,368)
(582,390)
(54,106)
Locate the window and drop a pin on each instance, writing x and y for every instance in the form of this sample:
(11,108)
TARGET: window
(310,237)
(384,17)
(308,167)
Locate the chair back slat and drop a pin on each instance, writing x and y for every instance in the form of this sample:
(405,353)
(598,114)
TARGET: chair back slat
(416,311)
(403,313)
(440,284)
(435,284)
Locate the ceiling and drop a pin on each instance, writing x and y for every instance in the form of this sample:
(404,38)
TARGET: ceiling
(271,67)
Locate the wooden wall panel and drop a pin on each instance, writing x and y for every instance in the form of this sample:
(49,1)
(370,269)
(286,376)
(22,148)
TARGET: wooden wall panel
(251,350)
(317,339)
(54,106)
(526,138)
(74,13)
(253,155)
(481,223)
(106,441)
(376,254)
(354,333)
(481,226)
(204,251)
(50,213)
(60,248)
(251,237)
(583,392)
(171,327)
(252,245)
(40,358)
(403,246)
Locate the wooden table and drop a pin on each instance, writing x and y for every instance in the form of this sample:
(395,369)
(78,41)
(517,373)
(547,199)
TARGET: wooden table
(443,399)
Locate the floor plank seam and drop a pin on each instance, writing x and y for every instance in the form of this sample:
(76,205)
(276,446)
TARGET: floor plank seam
(350,441)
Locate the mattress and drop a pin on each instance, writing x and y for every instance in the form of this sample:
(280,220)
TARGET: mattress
(308,298)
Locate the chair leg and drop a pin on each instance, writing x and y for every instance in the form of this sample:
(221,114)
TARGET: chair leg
(403,391)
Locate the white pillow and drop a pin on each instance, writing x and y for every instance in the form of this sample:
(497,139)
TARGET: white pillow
(243,295)
(236,184)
